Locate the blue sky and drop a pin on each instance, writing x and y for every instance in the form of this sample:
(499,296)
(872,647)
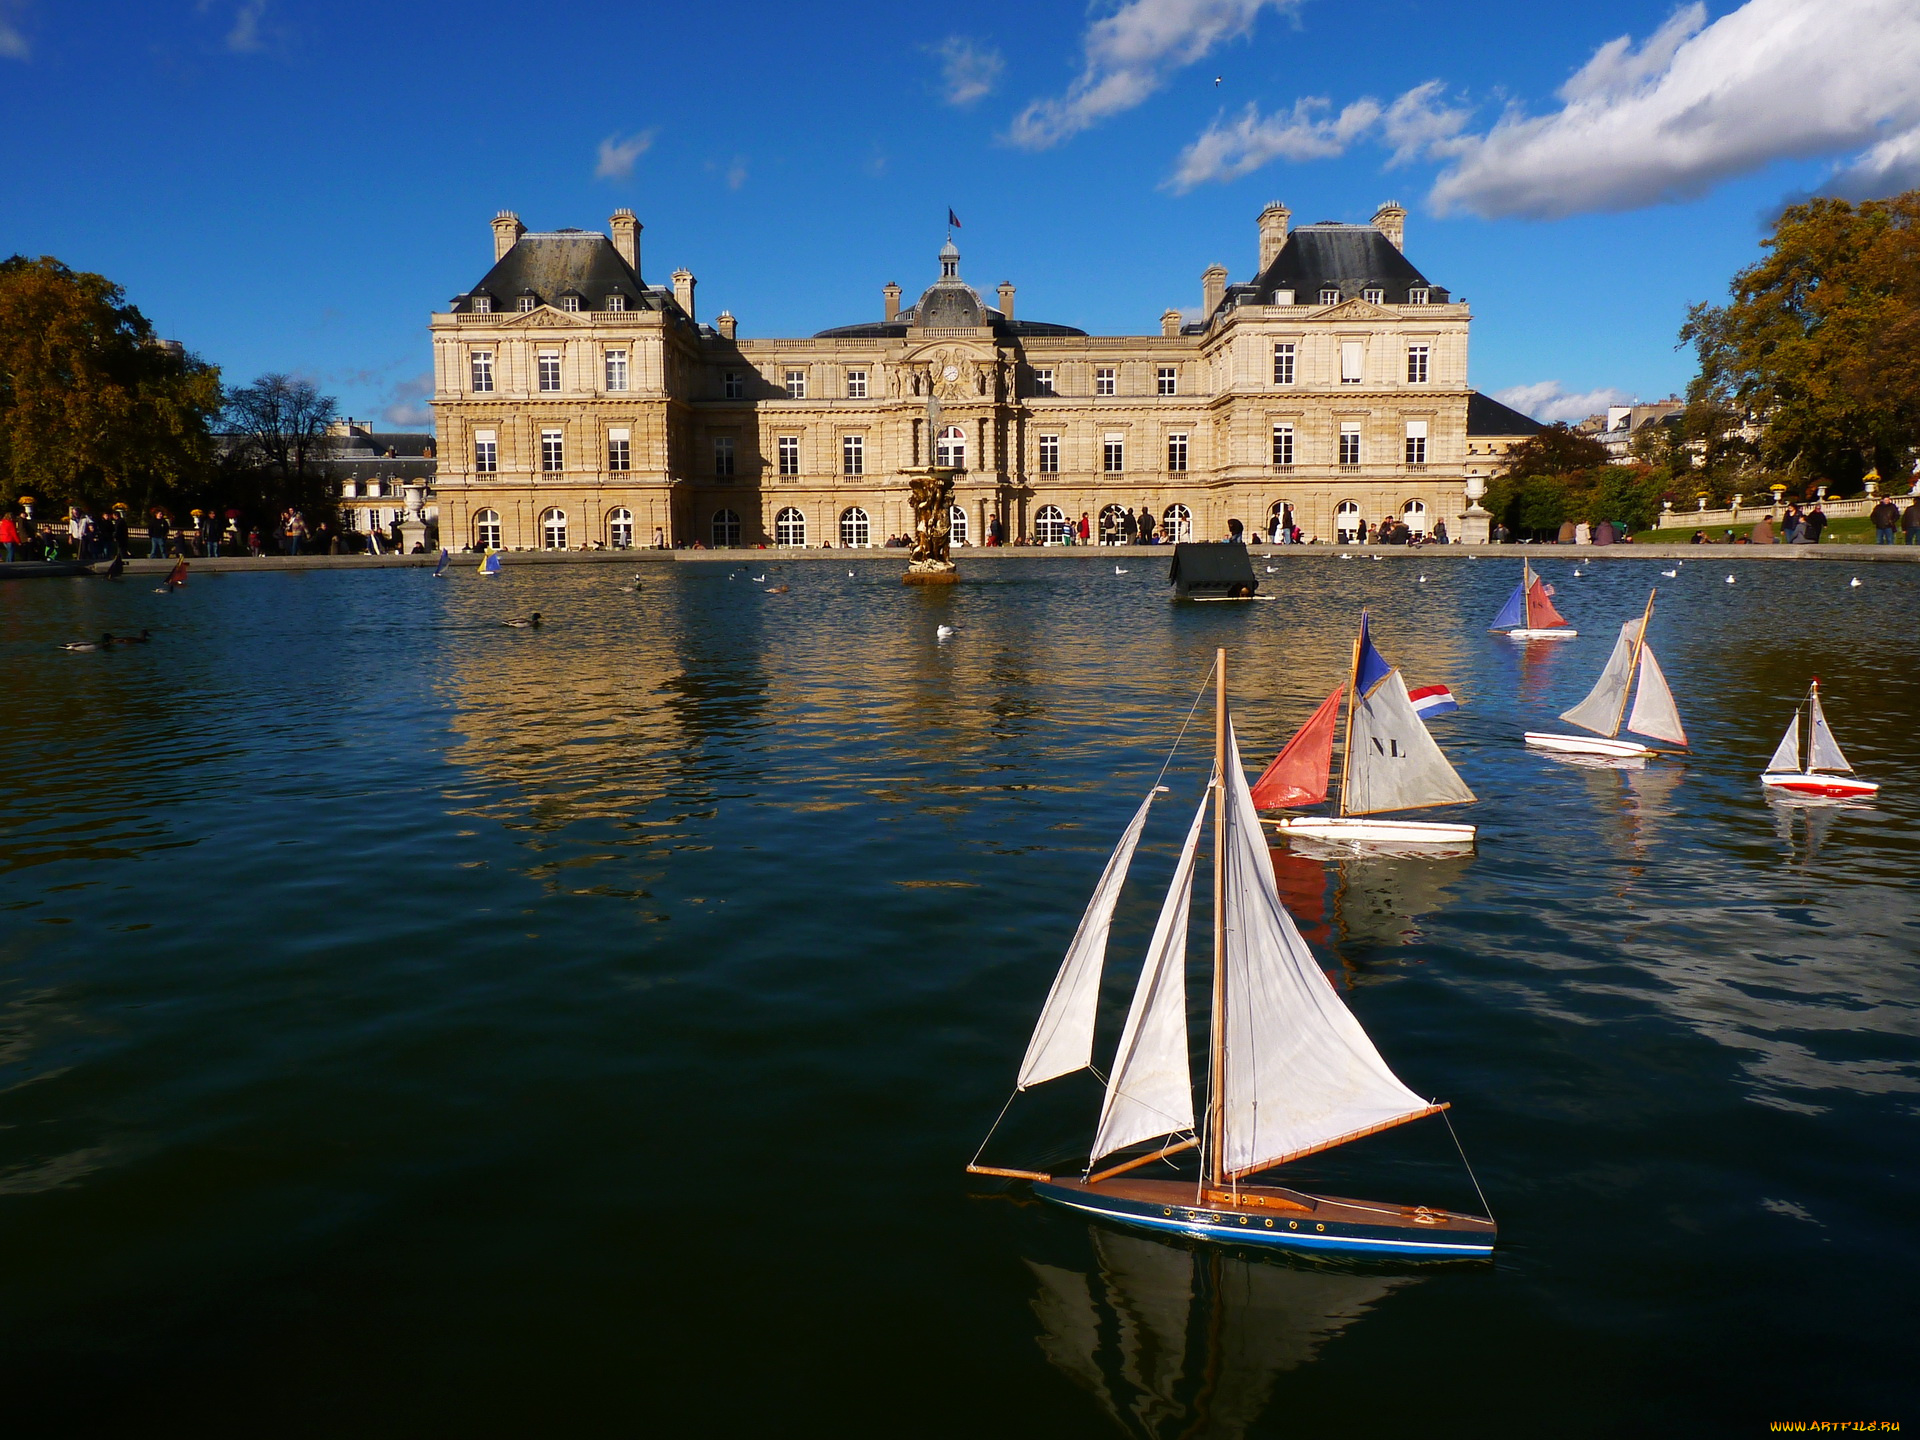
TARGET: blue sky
(294,186)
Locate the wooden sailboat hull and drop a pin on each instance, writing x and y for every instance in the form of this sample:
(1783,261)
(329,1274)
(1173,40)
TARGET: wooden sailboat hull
(1368,828)
(1525,634)
(1835,787)
(1272,1216)
(1588,745)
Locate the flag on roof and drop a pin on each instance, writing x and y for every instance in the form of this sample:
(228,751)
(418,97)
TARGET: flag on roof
(953,219)
(1432,700)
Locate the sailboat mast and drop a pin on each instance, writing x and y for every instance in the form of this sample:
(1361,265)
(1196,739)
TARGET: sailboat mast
(1526,592)
(1633,664)
(1353,698)
(1215,1164)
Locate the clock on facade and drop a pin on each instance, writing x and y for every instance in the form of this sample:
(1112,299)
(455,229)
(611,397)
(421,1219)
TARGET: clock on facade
(951,373)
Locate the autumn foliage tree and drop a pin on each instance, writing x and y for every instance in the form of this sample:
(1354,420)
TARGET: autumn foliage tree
(1819,338)
(91,408)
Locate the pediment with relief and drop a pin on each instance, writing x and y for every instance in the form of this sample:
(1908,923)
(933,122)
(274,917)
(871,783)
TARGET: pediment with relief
(1357,309)
(543,315)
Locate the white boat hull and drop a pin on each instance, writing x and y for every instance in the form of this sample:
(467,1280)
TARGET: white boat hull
(1367,828)
(1836,787)
(1588,745)
(1539,634)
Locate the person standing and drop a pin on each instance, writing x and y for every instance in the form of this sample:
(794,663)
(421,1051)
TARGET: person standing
(1791,524)
(1146,526)
(1440,532)
(9,533)
(1816,522)
(1910,522)
(157,528)
(1886,518)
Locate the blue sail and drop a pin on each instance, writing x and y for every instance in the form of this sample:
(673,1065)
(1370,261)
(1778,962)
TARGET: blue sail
(441,568)
(1370,667)
(1514,612)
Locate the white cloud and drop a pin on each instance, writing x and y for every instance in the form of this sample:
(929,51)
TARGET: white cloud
(617,155)
(737,172)
(1129,55)
(1418,124)
(1887,169)
(13,45)
(1696,105)
(244,37)
(968,71)
(1226,150)
(407,405)
(1548,401)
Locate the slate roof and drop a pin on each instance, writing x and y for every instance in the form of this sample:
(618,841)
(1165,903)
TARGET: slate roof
(551,263)
(1328,255)
(1487,416)
(947,304)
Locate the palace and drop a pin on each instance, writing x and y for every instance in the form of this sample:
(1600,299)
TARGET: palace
(577,405)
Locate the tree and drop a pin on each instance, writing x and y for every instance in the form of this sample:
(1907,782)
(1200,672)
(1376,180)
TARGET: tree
(1556,450)
(1818,340)
(282,424)
(92,407)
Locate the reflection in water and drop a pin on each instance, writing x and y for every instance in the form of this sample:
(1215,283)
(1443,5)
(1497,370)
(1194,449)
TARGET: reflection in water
(1805,821)
(1188,1342)
(1379,899)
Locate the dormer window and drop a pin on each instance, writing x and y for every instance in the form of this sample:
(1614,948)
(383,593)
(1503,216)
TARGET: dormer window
(528,301)
(1329,296)
(483,304)
(1283,297)
(570,304)
(616,301)
(1374,295)
(1417,295)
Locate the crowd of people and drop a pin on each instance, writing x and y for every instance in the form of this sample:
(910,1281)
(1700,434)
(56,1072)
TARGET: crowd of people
(85,537)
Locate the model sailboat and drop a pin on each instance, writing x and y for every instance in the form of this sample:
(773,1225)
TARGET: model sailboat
(1826,771)
(1290,1071)
(440,570)
(1604,710)
(1529,613)
(491,565)
(1389,763)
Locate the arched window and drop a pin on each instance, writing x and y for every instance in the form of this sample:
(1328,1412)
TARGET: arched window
(790,527)
(726,529)
(553,530)
(951,448)
(856,531)
(1050,526)
(957,525)
(486,530)
(1176,522)
(1110,518)
(620,528)
(1346,519)
(1414,514)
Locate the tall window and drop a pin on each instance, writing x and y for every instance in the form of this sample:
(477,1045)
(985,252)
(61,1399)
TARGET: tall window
(1414,513)
(549,369)
(732,386)
(619,453)
(951,448)
(482,364)
(1349,442)
(1050,525)
(853,454)
(1169,380)
(1176,453)
(1346,519)
(1353,360)
(1416,442)
(1103,381)
(616,369)
(620,528)
(856,384)
(723,455)
(1113,454)
(790,527)
(1177,522)
(1043,381)
(486,530)
(1049,454)
(856,531)
(796,384)
(553,530)
(726,529)
(486,453)
(1416,364)
(553,454)
(1283,446)
(1283,364)
(789,454)
(957,525)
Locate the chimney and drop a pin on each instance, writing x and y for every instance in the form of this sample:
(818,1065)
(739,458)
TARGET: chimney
(892,292)
(1391,221)
(507,231)
(725,324)
(683,290)
(1213,288)
(1170,322)
(1006,298)
(1274,221)
(626,237)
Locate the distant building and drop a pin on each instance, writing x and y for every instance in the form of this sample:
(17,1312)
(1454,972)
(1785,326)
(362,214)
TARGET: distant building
(1621,423)
(370,469)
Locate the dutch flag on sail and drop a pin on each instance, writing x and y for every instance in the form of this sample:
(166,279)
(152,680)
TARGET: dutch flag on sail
(1432,700)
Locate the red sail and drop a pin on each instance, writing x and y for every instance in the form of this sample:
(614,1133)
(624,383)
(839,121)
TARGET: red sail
(1298,774)
(1540,612)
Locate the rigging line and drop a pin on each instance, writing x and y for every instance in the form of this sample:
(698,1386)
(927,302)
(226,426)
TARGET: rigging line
(995,1126)
(1184,724)
(1468,1163)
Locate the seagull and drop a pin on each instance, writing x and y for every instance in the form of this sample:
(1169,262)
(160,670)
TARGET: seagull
(849,575)
(1854,584)
(1730,579)
(1118,571)
(1576,573)
(759,579)
(532,622)
(943,632)
(1423,579)
(1217,79)
(1273,569)
(1669,573)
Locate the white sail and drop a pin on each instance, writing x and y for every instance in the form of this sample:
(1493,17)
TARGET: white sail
(1151,1090)
(1823,751)
(1300,1072)
(1392,762)
(1600,711)
(1786,755)
(1063,1038)
(1654,714)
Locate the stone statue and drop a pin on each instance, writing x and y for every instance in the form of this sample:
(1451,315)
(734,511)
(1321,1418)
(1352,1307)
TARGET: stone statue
(931,489)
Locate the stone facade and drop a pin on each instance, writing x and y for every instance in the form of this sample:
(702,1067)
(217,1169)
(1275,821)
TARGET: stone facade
(575,405)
